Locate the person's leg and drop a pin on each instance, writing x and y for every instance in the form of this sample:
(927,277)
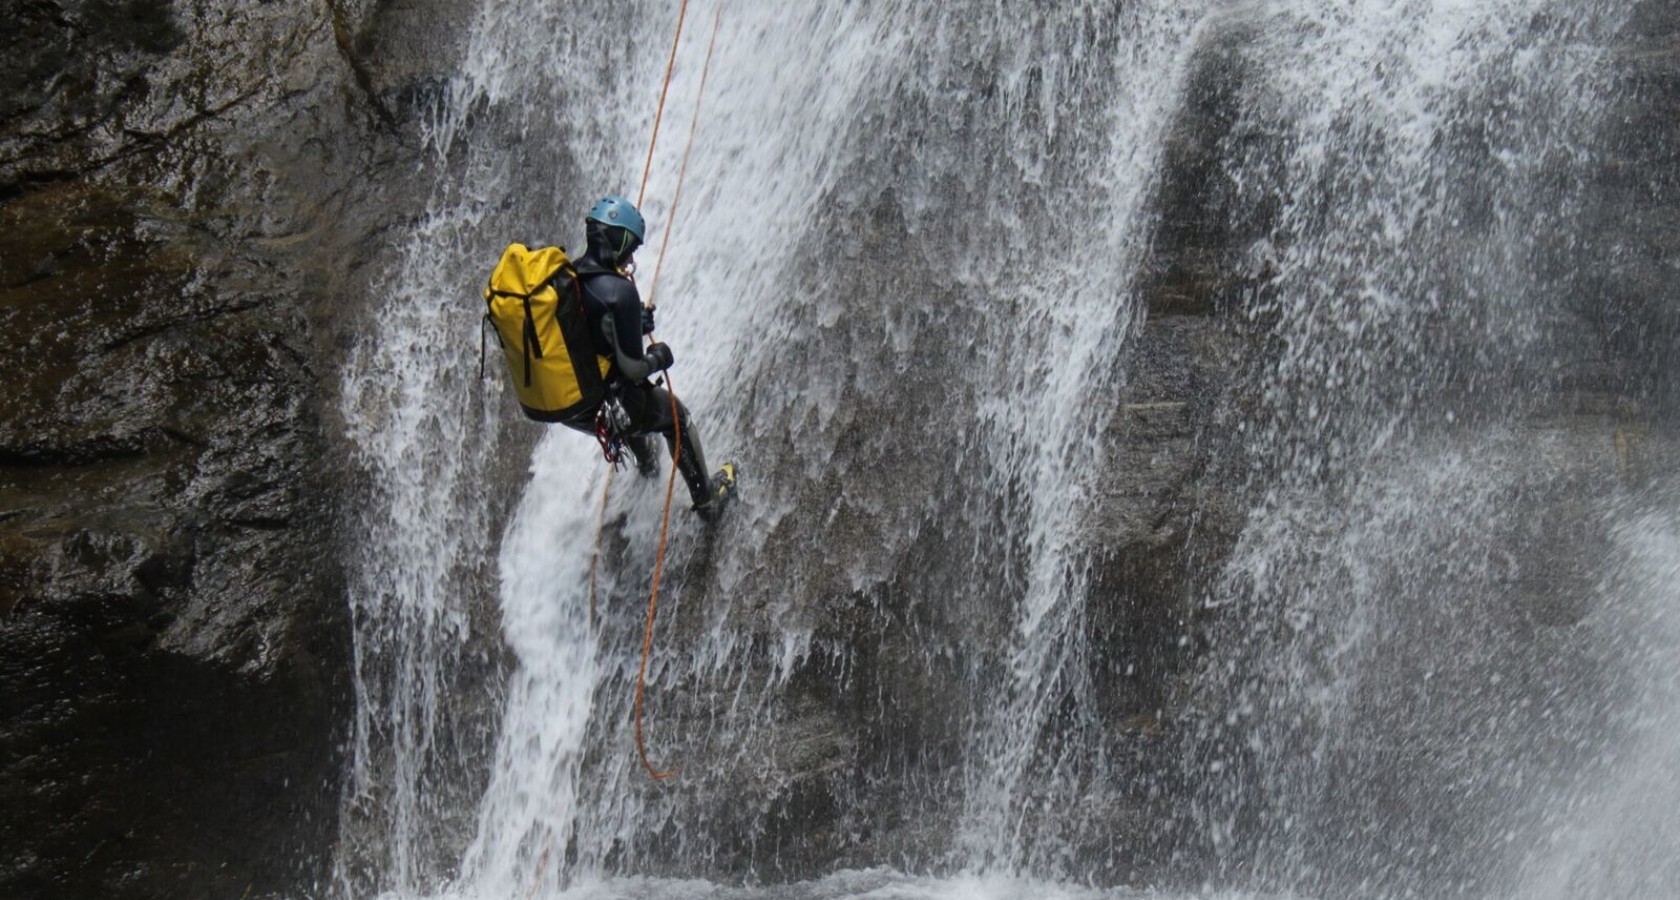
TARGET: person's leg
(647,458)
(650,413)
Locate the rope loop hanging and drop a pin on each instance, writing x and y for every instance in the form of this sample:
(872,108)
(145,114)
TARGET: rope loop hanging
(676,419)
(606,487)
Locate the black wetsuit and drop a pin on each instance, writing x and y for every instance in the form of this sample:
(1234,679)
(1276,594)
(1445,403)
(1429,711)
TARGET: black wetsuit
(613,308)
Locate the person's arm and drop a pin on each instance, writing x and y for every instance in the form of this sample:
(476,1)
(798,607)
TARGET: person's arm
(622,327)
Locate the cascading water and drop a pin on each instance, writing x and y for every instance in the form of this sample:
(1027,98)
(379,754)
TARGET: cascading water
(1614,837)
(1393,711)
(900,288)
(433,450)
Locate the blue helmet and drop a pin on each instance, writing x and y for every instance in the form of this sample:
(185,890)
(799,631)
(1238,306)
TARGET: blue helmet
(615,210)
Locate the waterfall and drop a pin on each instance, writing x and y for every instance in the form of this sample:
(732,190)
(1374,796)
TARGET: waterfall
(1612,837)
(431,440)
(902,287)
(764,153)
(1107,81)
(1390,705)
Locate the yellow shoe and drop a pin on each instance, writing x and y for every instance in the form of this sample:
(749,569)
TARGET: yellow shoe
(723,490)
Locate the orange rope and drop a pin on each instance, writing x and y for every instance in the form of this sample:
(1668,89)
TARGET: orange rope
(600,529)
(647,168)
(682,171)
(647,637)
(670,65)
(653,595)
(676,419)
(542,866)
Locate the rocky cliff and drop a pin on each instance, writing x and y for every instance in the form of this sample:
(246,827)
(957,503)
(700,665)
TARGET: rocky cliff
(186,191)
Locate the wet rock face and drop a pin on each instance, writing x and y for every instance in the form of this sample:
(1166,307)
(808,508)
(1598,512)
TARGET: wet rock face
(1182,482)
(1632,228)
(184,189)
(169,638)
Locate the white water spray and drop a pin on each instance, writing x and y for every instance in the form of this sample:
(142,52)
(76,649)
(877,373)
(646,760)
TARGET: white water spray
(1374,710)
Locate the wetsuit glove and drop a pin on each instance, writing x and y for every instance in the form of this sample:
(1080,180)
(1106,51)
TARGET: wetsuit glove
(658,357)
(647,320)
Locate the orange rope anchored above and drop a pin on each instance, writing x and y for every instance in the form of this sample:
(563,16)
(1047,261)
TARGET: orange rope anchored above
(647,169)
(659,114)
(682,171)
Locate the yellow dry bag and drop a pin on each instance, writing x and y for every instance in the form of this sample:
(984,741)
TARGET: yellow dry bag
(536,305)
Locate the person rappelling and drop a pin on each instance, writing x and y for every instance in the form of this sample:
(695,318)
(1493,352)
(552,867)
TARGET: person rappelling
(572,333)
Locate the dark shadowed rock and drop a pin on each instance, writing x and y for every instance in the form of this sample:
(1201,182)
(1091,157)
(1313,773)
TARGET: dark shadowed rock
(185,190)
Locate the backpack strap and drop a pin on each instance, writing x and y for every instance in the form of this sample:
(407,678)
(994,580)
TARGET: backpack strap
(488,322)
(576,338)
(532,344)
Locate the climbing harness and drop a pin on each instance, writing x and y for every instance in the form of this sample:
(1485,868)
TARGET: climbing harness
(612,424)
